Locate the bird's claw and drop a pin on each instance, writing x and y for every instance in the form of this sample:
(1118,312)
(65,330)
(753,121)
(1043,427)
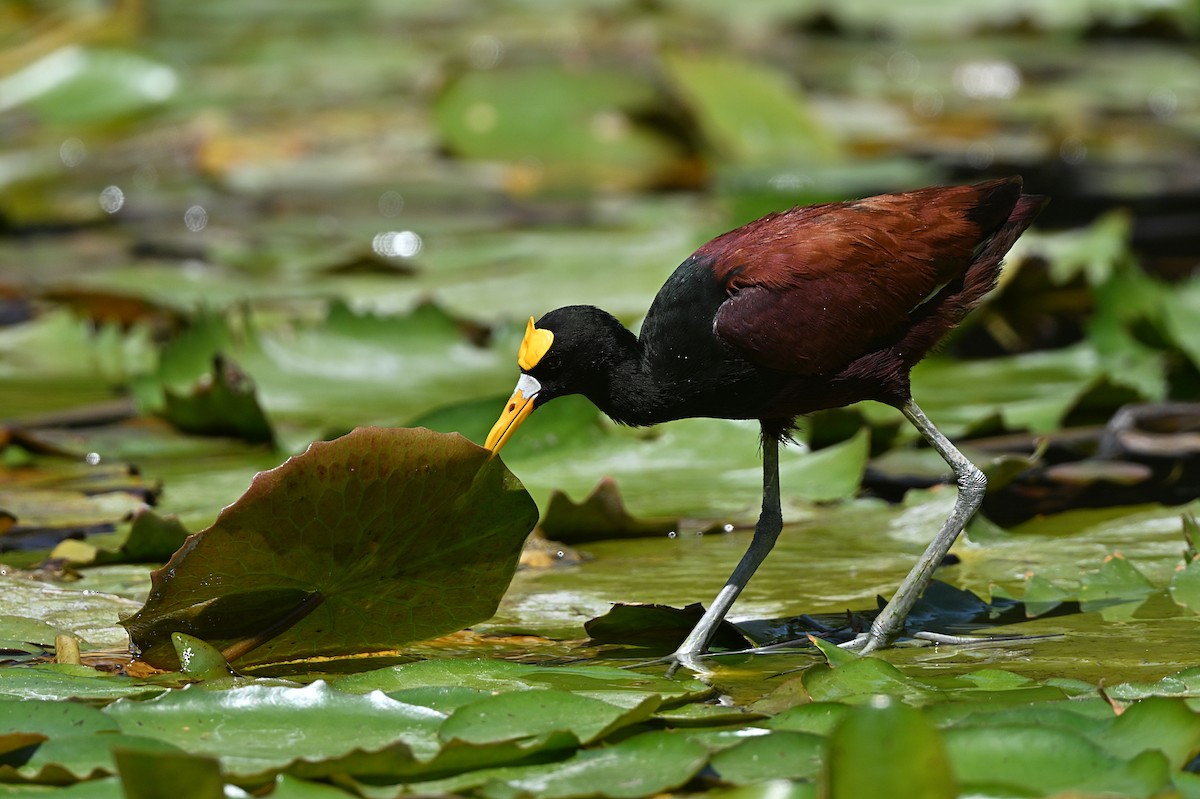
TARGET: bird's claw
(865,643)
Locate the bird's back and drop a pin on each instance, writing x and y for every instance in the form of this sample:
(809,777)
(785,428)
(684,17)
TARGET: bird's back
(828,304)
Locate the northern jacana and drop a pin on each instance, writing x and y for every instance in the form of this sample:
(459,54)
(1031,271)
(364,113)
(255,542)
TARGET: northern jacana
(816,307)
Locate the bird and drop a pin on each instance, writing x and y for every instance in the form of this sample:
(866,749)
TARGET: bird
(811,308)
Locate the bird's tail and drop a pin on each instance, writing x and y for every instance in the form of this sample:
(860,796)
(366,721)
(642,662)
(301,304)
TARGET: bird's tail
(957,298)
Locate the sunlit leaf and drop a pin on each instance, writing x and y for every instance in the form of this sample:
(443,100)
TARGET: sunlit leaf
(94,85)
(92,617)
(241,726)
(345,549)
(857,681)
(54,681)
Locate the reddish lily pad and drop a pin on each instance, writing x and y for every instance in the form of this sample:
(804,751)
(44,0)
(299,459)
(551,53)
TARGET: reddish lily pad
(362,544)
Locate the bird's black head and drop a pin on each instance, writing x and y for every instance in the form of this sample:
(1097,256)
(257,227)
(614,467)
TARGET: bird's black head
(573,350)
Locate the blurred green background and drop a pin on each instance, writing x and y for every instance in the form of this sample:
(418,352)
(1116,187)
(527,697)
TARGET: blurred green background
(230,228)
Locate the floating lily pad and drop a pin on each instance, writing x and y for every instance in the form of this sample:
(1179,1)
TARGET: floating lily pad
(241,725)
(601,514)
(223,402)
(887,749)
(382,537)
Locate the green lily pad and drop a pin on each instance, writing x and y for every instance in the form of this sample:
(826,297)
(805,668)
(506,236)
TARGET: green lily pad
(100,85)
(1166,725)
(598,682)
(819,718)
(67,758)
(577,124)
(657,627)
(750,114)
(525,714)
(601,514)
(1185,586)
(58,681)
(150,539)
(242,726)
(643,765)
(887,749)
(1024,758)
(782,754)
(858,681)
(53,719)
(379,538)
(92,617)
(144,773)
(222,403)
(1118,580)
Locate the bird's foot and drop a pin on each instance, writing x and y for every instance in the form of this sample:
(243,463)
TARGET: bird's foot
(675,661)
(866,643)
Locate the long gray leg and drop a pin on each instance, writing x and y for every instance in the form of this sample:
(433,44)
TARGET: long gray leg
(971,487)
(770,522)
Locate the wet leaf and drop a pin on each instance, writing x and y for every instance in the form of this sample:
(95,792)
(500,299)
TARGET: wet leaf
(197,659)
(859,680)
(54,681)
(818,718)
(242,726)
(376,539)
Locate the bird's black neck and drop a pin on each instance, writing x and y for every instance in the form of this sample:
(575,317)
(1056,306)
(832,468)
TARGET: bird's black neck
(619,381)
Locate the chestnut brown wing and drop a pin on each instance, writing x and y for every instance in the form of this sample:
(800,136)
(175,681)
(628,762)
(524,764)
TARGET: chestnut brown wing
(814,288)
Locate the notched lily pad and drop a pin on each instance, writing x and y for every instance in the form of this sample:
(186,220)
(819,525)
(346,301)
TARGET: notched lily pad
(601,515)
(223,402)
(361,544)
(660,627)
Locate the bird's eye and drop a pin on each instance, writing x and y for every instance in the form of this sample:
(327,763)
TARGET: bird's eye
(550,363)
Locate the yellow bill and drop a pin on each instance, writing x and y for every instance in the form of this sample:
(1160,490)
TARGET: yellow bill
(519,406)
